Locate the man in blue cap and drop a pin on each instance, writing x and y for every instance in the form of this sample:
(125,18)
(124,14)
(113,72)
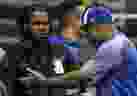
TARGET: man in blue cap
(116,59)
(115,56)
(112,51)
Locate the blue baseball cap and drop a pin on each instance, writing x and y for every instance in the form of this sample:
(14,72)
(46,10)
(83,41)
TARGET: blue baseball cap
(100,14)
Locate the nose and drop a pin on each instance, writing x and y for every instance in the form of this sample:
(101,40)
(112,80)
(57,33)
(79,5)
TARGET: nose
(41,26)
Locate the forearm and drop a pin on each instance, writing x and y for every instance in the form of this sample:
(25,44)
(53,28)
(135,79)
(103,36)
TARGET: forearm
(77,75)
(72,72)
(74,75)
(88,70)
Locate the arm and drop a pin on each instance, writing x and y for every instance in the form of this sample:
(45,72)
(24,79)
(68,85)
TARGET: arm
(83,73)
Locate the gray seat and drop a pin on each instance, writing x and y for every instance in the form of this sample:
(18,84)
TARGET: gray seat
(86,50)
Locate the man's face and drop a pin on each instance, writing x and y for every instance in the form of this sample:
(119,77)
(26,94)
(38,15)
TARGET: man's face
(101,31)
(104,31)
(71,27)
(40,24)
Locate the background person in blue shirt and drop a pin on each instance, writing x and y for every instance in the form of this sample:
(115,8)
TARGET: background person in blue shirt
(127,87)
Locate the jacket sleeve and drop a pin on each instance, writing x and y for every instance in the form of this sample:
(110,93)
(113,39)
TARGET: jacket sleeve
(107,59)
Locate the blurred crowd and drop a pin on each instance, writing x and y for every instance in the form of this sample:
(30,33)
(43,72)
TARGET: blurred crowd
(11,37)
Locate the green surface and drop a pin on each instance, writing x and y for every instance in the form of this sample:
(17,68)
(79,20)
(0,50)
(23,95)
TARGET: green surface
(71,67)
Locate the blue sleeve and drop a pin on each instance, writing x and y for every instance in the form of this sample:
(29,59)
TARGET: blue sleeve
(132,62)
(55,40)
(71,56)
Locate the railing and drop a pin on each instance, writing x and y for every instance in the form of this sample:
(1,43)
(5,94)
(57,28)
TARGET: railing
(9,40)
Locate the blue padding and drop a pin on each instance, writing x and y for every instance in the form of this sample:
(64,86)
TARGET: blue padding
(56,40)
(104,19)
